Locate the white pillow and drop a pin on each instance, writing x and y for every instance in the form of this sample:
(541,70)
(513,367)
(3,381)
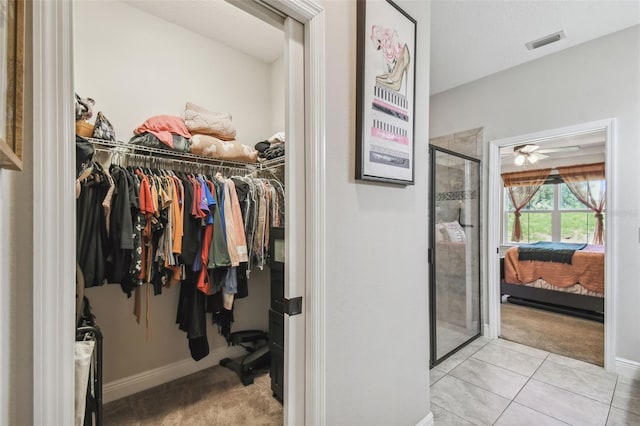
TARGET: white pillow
(455,232)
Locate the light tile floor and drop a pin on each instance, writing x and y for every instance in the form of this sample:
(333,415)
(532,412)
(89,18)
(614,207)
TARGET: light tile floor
(498,382)
(451,336)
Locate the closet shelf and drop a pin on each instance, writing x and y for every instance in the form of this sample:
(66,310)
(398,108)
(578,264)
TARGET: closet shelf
(128,148)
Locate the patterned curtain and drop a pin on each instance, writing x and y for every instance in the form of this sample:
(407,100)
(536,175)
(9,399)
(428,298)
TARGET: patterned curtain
(586,182)
(522,186)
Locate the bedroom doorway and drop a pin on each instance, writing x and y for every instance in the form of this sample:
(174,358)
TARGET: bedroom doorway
(540,315)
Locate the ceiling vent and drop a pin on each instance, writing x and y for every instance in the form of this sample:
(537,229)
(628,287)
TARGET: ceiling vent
(548,39)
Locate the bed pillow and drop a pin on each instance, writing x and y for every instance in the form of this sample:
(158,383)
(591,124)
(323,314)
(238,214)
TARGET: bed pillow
(454,232)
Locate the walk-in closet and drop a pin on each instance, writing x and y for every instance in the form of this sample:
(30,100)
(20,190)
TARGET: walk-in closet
(173,278)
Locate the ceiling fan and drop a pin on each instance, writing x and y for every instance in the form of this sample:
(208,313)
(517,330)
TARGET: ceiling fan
(531,153)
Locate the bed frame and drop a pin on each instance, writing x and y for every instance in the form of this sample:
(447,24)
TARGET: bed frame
(558,301)
(582,305)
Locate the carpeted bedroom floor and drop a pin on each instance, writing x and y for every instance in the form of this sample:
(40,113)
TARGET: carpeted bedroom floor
(556,333)
(214,396)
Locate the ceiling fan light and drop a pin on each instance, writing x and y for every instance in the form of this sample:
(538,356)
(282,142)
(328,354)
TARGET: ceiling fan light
(519,160)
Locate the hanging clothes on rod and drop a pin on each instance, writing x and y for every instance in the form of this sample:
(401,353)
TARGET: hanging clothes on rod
(153,222)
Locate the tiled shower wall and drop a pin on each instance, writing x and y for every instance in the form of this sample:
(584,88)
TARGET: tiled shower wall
(468,142)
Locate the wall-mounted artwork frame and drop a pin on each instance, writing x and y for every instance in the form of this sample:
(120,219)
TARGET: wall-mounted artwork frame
(385,93)
(12,15)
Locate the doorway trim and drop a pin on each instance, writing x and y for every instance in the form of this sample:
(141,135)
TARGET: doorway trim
(494,229)
(54,210)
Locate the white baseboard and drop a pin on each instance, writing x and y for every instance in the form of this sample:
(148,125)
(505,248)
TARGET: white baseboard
(427,421)
(157,376)
(628,368)
(485,330)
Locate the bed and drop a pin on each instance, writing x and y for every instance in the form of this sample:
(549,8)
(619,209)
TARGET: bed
(578,284)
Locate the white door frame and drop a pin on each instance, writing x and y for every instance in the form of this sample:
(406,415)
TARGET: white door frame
(54,211)
(494,228)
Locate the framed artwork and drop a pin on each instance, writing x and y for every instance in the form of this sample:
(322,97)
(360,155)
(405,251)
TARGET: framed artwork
(11,83)
(385,93)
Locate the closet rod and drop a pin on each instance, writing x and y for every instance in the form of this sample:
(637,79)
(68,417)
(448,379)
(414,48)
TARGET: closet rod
(167,163)
(185,157)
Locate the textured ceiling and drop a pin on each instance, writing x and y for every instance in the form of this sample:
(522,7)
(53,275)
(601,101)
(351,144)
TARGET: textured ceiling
(473,39)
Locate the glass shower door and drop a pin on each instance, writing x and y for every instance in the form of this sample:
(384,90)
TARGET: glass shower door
(454,252)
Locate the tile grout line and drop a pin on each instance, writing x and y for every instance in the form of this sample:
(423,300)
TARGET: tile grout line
(504,368)
(511,344)
(578,368)
(448,373)
(452,413)
(531,378)
(547,359)
(480,387)
(578,394)
(626,409)
(498,366)
(518,352)
(472,384)
(488,390)
(468,356)
(549,384)
(613,394)
(572,393)
(503,411)
(528,353)
(518,393)
(608,415)
(436,380)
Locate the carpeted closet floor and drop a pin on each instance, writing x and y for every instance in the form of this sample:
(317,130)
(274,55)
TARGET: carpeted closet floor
(556,333)
(214,396)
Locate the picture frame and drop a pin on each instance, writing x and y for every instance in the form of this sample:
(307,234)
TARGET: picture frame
(12,27)
(385,93)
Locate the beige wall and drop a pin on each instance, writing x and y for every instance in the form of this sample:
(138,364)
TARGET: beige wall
(377,350)
(16,254)
(278,76)
(5,325)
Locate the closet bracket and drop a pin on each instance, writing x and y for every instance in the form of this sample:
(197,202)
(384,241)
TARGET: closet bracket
(293,306)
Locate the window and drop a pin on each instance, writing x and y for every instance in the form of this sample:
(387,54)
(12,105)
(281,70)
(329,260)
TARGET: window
(553,214)
(577,223)
(536,217)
